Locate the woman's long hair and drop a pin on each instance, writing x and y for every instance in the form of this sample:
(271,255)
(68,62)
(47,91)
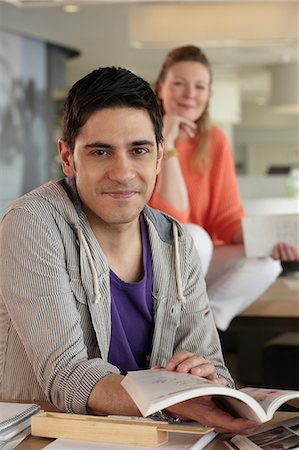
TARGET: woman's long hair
(191,53)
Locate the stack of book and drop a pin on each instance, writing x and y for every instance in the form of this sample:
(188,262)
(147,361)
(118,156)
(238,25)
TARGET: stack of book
(15,420)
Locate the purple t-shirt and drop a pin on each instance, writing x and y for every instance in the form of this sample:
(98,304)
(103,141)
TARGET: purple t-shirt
(132,315)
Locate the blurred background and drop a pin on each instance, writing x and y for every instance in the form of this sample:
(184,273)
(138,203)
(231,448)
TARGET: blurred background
(47,45)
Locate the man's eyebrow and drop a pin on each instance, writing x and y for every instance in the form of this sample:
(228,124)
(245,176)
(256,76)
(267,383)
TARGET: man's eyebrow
(139,142)
(142,142)
(98,144)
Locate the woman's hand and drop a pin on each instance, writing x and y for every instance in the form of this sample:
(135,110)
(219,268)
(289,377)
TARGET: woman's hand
(285,252)
(237,237)
(173,125)
(187,362)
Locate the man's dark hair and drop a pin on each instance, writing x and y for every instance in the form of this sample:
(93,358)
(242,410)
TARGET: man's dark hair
(108,87)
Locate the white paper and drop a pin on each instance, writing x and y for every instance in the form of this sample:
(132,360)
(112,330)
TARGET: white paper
(16,440)
(15,417)
(262,232)
(177,441)
(11,410)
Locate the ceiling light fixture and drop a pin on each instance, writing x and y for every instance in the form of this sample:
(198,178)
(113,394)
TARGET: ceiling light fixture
(41,3)
(213,24)
(71,8)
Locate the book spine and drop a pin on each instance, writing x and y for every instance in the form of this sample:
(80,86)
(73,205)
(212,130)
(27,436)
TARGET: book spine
(230,445)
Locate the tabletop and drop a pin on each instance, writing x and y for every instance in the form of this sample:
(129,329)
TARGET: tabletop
(38,443)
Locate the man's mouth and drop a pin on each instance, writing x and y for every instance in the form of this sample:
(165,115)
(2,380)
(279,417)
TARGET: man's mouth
(121,195)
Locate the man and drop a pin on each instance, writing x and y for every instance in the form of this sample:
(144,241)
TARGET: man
(93,282)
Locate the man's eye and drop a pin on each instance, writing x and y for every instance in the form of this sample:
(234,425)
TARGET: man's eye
(140,151)
(100,152)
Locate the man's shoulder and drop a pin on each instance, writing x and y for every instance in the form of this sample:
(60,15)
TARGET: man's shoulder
(36,195)
(43,200)
(163,223)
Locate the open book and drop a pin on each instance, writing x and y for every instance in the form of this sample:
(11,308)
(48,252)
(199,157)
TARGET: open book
(153,390)
(262,232)
(283,435)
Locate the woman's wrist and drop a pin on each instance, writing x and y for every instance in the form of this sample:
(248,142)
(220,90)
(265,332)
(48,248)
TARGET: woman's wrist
(170,153)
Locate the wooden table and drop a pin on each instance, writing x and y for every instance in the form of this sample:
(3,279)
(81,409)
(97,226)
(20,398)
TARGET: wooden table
(280,300)
(275,312)
(37,443)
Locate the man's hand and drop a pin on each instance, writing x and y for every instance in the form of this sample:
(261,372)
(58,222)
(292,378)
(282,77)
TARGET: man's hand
(184,361)
(285,252)
(205,411)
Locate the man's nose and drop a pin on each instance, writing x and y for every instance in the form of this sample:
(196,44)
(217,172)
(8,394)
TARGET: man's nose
(121,169)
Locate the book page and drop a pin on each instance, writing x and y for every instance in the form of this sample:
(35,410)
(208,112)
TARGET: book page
(270,399)
(283,436)
(14,418)
(153,390)
(12,412)
(150,389)
(261,233)
(16,439)
(177,441)
(239,408)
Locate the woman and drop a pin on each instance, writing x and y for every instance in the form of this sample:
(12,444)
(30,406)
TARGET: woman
(198,186)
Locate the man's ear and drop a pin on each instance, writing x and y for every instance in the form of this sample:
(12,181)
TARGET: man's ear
(160,156)
(66,158)
(158,90)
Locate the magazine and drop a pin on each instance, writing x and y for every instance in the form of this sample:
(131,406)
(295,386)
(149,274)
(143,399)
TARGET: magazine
(154,390)
(282,436)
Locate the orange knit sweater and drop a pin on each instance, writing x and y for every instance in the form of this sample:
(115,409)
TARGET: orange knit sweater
(213,196)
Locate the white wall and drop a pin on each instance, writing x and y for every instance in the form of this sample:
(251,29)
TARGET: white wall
(265,138)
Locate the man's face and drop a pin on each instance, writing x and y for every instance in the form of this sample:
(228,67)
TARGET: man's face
(115,163)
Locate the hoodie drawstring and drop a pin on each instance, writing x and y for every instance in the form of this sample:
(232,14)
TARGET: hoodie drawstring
(95,278)
(178,276)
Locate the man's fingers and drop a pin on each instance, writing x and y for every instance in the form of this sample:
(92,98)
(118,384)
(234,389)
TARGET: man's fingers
(177,358)
(184,361)
(238,426)
(187,362)
(204,410)
(206,370)
(223,422)
(222,380)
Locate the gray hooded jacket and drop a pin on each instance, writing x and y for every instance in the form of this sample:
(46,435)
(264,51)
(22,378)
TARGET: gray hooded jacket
(55,299)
